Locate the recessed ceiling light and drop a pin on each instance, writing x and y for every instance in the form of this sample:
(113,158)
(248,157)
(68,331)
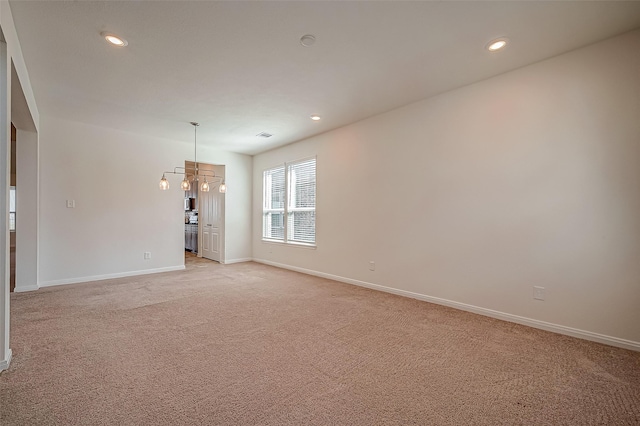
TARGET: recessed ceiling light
(114,39)
(315,117)
(497,44)
(307,40)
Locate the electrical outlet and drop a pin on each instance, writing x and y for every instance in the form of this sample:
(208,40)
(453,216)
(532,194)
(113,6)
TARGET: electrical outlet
(147,255)
(372,265)
(538,293)
(71,204)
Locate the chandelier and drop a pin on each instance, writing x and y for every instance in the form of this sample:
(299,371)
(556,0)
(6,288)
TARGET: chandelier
(193,173)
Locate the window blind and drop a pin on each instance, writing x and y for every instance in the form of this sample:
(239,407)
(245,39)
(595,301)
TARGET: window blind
(301,212)
(274,202)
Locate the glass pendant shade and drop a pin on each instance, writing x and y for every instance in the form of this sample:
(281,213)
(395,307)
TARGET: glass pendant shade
(164,183)
(205,186)
(185,185)
(223,188)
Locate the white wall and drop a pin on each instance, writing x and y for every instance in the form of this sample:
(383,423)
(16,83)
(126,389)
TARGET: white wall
(15,53)
(120,213)
(11,53)
(26,210)
(475,196)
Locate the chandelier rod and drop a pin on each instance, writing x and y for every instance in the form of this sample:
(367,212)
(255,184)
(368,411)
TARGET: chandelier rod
(195,125)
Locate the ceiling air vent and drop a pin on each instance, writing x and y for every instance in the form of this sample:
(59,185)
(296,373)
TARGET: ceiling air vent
(264,135)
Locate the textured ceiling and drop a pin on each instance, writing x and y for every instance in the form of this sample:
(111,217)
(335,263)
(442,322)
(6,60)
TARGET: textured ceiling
(239,69)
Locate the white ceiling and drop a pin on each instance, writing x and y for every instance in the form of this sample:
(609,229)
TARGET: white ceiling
(239,69)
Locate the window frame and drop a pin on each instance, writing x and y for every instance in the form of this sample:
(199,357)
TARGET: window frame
(288,211)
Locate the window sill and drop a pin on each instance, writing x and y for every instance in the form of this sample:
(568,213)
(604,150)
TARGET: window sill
(289,243)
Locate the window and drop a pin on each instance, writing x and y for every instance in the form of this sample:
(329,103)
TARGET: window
(12,208)
(289,209)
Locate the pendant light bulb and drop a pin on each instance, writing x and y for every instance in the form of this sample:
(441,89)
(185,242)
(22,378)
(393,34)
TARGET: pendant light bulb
(205,185)
(223,188)
(164,183)
(185,185)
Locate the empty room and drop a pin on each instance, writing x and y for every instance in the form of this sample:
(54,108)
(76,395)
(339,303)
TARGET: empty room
(320,212)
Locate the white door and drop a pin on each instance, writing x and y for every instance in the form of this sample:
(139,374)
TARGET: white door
(210,215)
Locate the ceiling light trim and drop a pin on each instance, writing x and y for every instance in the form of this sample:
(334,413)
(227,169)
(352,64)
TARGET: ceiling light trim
(308,40)
(114,39)
(497,44)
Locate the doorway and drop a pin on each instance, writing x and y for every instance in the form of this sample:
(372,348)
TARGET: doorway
(209,213)
(23,192)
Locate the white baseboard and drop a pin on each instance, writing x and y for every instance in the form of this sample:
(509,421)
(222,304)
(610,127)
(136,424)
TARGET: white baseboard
(244,259)
(23,288)
(109,276)
(555,328)
(4,364)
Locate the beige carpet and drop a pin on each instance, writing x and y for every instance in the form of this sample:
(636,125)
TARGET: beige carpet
(248,344)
